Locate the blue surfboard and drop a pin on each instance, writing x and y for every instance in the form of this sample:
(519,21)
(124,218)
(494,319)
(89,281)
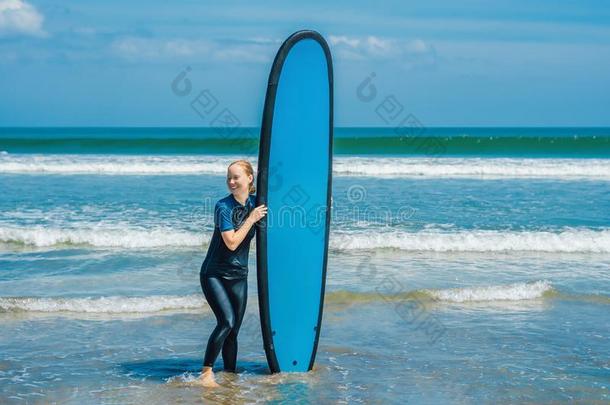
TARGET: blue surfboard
(294,181)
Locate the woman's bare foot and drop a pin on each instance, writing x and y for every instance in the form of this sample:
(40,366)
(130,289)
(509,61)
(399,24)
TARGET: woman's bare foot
(207,378)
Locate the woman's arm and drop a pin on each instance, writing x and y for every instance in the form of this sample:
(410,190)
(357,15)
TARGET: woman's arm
(233,238)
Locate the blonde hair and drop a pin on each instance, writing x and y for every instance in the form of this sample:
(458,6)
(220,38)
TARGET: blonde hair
(249,171)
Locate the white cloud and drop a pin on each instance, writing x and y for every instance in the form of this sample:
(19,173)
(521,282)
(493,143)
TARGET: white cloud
(264,40)
(143,48)
(410,53)
(243,53)
(20,17)
(372,47)
(148,49)
(343,40)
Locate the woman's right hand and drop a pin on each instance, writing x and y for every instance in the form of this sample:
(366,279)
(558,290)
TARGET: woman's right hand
(258,213)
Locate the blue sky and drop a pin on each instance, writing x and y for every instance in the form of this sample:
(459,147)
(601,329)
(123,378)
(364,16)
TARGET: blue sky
(467,63)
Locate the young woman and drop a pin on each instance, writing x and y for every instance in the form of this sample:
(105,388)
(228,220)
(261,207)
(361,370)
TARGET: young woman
(224,271)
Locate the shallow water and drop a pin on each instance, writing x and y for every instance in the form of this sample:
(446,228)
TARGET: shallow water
(545,350)
(456,289)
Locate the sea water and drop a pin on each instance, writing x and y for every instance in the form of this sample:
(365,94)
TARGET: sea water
(456,274)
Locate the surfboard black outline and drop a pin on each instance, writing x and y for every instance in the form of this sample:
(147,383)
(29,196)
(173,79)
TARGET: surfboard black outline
(262,184)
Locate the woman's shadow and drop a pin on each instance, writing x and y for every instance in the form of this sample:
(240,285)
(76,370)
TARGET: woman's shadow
(163,369)
(283,387)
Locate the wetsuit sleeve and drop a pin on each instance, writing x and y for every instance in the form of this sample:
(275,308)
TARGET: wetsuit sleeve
(256,225)
(222,218)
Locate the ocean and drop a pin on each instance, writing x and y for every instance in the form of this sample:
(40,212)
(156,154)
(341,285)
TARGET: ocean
(466,265)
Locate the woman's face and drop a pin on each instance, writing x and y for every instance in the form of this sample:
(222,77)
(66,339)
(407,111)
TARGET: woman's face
(237,179)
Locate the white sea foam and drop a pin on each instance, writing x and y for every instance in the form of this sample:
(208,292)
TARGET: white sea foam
(566,241)
(474,167)
(108,305)
(571,240)
(158,303)
(510,292)
(39,236)
(114,164)
(343,166)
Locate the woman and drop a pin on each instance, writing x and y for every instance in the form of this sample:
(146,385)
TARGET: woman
(224,271)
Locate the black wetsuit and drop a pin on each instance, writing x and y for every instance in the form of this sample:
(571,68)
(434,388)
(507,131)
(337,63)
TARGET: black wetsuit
(224,280)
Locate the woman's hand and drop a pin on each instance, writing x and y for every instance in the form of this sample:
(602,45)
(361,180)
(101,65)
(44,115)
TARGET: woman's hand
(258,213)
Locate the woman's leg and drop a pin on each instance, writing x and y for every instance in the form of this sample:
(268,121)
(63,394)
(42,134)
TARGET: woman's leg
(217,297)
(238,294)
